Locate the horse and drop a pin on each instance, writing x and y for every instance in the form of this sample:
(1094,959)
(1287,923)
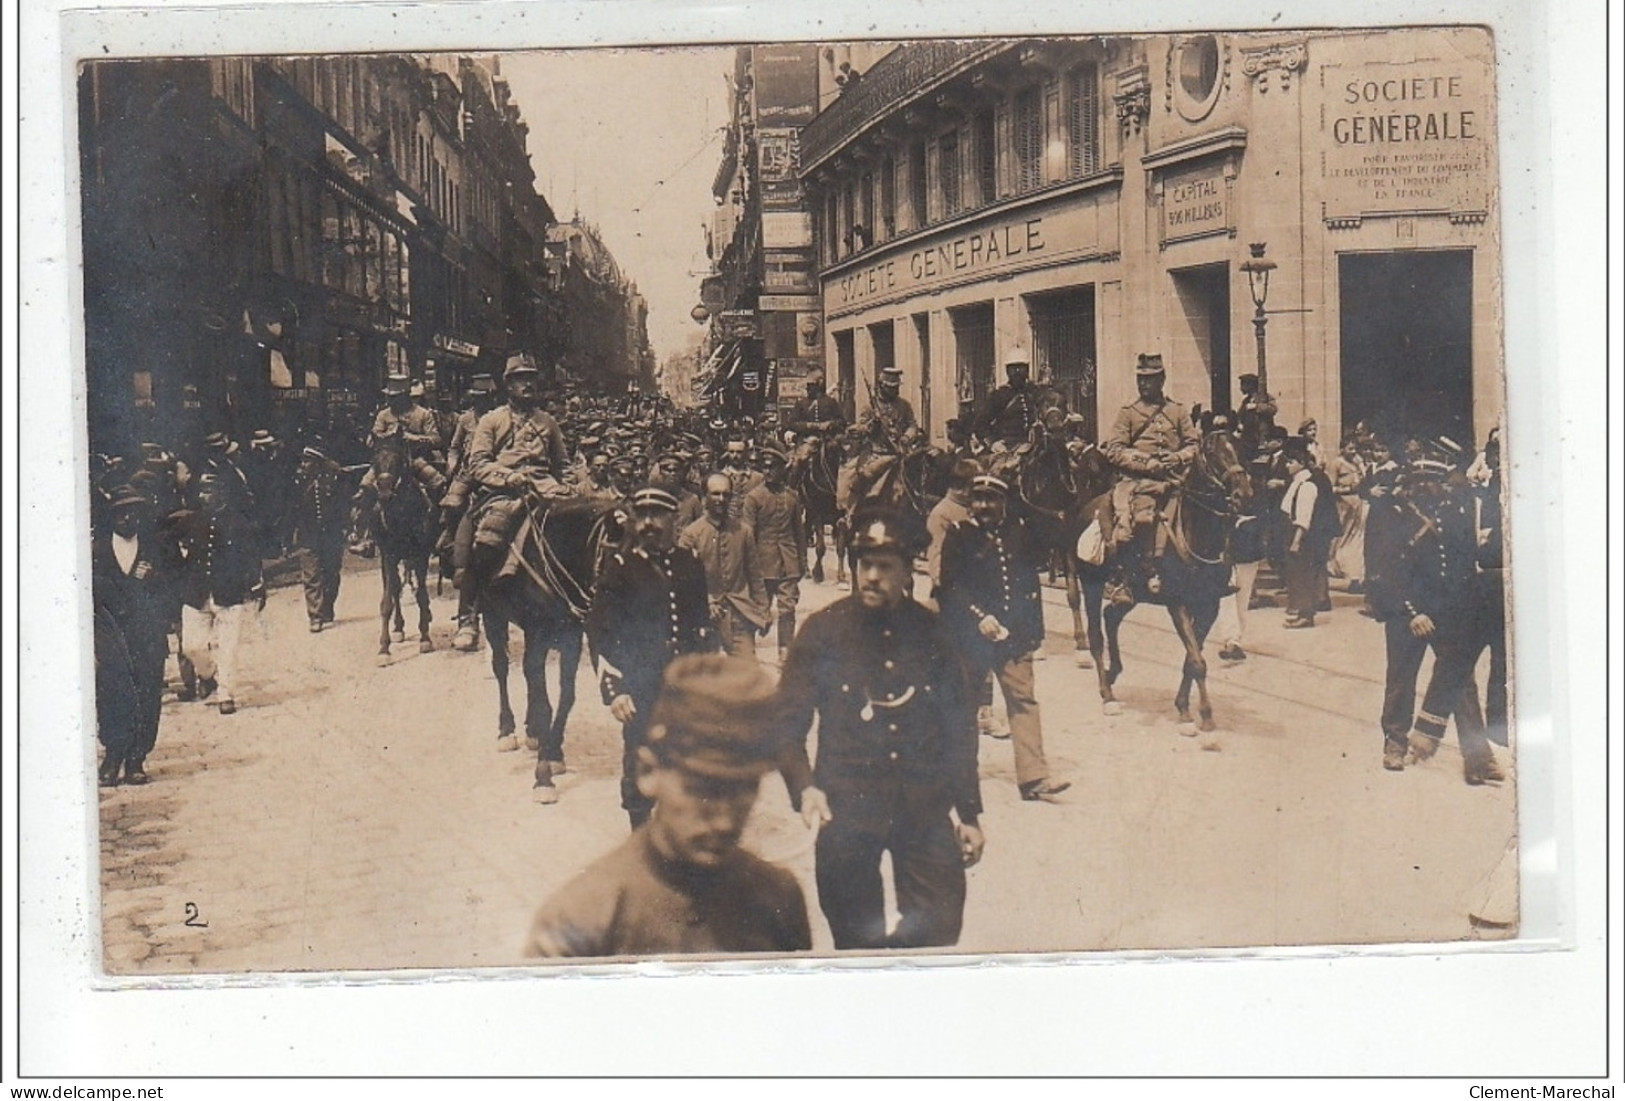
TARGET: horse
(813,474)
(1195,570)
(405,526)
(1053,478)
(557,552)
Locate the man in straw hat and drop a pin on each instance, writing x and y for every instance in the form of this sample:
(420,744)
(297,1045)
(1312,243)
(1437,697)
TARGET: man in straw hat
(681,884)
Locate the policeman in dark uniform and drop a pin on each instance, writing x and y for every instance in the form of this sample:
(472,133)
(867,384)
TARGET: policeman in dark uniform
(991,604)
(681,883)
(896,750)
(1014,409)
(318,532)
(650,606)
(1440,569)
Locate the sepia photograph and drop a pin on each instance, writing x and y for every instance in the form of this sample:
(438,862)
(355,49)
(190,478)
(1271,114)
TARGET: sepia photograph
(981,496)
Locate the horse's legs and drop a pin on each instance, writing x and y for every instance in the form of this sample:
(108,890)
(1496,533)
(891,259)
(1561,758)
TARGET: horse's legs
(1202,620)
(1194,670)
(387,602)
(420,570)
(1092,590)
(496,633)
(569,648)
(1074,600)
(817,525)
(840,533)
(538,708)
(1113,618)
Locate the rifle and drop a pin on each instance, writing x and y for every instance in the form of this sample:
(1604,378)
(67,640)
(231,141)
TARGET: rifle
(885,425)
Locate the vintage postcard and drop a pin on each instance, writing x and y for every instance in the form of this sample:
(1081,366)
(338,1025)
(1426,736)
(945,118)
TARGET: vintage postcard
(962,496)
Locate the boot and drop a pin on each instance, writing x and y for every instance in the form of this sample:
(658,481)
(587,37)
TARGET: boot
(1421,747)
(1480,767)
(1393,756)
(467,638)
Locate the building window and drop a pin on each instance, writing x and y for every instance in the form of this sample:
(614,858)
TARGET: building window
(847,241)
(973,351)
(1083,120)
(987,157)
(1029,140)
(916,184)
(832,230)
(1197,64)
(948,170)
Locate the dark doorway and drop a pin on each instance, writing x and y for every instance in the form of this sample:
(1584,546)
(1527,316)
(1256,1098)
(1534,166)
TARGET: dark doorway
(1406,342)
(973,352)
(1204,299)
(846,375)
(1063,324)
(922,337)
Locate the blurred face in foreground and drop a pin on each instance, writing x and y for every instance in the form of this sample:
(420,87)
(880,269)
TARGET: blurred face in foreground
(697,819)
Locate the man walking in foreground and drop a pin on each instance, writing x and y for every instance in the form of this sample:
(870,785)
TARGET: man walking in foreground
(896,751)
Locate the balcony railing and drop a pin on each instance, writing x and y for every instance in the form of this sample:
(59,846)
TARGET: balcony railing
(906,74)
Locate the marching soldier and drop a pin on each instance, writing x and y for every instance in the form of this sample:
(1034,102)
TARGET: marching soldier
(649,607)
(1151,442)
(896,751)
(889,422)
(681,883)
(772,511)
(993,610)
(739,608)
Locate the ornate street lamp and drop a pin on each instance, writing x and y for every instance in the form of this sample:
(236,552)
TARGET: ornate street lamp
(1258,283)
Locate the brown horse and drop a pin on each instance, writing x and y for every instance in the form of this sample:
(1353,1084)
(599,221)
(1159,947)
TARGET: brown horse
(404,526)
(557,552)
(1195,571)
(813,473)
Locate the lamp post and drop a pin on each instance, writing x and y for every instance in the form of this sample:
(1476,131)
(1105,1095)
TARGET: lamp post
(1258,283)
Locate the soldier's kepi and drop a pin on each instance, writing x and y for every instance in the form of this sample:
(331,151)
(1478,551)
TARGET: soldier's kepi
(1151,442)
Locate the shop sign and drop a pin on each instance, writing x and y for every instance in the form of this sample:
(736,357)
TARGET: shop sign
(784,84)
(1195,203)
(455,346)
(738,324)
(799,303)
(1406,137)
(786,230)
(984,251)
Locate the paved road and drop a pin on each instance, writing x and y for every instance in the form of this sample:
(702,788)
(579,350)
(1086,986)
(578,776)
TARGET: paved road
(356,816)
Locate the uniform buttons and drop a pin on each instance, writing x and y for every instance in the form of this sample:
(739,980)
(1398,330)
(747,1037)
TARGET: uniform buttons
(890,664)
(891,728)
(893,755)
(846,688)
(885,632)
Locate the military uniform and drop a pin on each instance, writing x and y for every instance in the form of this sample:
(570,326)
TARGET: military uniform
(1142,432)
(1012,412)
(887,421)
(648,608)
(637,902)
(994,572)
(896,754)
(218,574)
(738,598)
(821,414)
(318,536)
(774,517)
(419,429)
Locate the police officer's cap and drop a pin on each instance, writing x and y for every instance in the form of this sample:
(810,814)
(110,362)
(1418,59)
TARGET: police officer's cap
(653,497)
(314,451)
(127,496)
(1148,365)
(1017,357)
(989,485)
(397,386)
(713,717)
(891,374)
(877,529)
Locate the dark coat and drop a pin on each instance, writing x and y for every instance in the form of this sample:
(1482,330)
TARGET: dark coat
(880,764)
(991,572)
(219,557)
(1436,575)
(647,610)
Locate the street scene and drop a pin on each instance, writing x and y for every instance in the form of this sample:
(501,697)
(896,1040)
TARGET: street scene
(964,496)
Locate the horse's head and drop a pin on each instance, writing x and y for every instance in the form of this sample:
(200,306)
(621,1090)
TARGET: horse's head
(389,465)
(1218,462)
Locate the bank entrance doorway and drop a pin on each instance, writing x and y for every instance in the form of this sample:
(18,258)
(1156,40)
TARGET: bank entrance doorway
(1063,326)
(973,353)
(846,375)
(1406,341)
(1201,334)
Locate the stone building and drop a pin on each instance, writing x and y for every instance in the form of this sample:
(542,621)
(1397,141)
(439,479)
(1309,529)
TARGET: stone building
(266,239)
(1088,199)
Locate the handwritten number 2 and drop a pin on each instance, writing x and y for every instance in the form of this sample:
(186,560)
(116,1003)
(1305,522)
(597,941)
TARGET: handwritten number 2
(192,915)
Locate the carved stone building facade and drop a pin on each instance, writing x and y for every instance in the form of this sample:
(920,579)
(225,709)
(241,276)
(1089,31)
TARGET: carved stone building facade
(1089,199)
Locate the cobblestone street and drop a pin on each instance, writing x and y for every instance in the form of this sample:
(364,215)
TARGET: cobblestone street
(355,815)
